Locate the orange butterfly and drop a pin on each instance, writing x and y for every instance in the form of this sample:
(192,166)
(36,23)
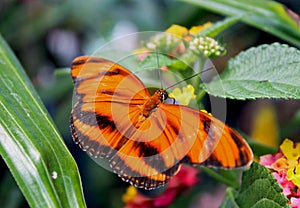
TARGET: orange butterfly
(144,139)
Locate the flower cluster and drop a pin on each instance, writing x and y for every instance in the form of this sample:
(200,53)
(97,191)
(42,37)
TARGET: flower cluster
(181,183)
(286,169)
(207,46)
(176,40)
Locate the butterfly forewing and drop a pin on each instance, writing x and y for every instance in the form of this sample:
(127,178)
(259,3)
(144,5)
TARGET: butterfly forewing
(145,140)
(98,79)
(99,83)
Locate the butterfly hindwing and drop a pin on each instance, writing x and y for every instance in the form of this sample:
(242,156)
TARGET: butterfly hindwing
(230,150)
(187,136)
(153,153)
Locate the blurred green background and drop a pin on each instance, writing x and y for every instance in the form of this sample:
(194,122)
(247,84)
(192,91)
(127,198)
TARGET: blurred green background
(47,35)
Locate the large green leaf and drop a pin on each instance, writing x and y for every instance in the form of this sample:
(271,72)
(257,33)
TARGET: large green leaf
(31,145)
(267,71)
(259,189)
(266,15)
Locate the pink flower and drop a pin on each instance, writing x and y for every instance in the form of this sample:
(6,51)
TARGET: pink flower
(180,183)
(286,170)
(166,198)
(269,160)
(295,202)
(187,176)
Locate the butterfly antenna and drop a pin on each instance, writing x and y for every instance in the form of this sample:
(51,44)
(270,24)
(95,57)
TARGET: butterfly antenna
(194,75)
(158,68)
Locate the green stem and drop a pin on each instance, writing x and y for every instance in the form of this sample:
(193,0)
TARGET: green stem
(222,178)
(200,92)
(200,95)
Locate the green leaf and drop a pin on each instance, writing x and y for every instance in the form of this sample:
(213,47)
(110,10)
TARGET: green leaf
(268,71)
(229,200)
(269,16)
(228,177)
(219,26)
(259,189)
(30,144)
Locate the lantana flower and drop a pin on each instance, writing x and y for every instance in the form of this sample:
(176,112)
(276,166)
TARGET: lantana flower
(286,169)
(173,42)
(183,96)
(179,184)
(207,46)
(187,34)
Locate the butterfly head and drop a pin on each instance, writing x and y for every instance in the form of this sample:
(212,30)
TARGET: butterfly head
(163,95)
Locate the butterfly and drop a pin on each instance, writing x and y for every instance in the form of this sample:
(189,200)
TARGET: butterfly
(144,139)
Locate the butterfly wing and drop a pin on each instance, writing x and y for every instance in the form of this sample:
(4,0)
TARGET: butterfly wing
(182,135)
(215,143)
(227,149)
(102,88)
(154,152)
(100,80)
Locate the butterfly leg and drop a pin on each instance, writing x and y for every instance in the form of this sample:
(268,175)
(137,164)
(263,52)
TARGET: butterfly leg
(173,100)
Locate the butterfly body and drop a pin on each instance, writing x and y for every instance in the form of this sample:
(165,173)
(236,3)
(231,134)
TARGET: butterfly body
(144,139)
(154,101)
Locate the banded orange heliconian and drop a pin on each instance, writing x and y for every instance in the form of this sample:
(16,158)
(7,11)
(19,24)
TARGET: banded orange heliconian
(144,139)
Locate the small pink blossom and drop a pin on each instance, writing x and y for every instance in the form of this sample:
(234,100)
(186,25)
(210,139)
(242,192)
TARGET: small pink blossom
(268,160)
(295,202)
